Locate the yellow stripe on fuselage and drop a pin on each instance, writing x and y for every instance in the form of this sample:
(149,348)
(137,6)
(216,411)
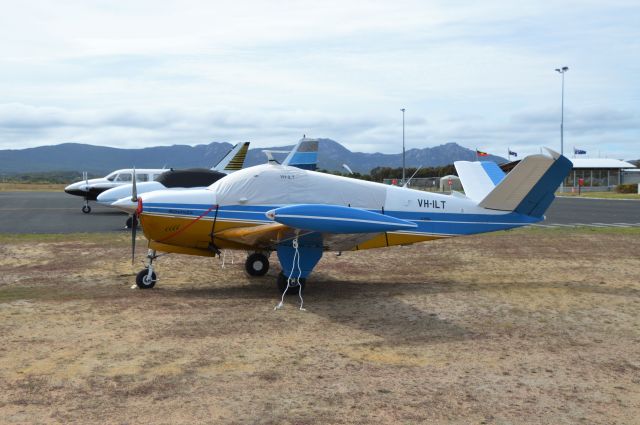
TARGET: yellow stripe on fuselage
(182,234)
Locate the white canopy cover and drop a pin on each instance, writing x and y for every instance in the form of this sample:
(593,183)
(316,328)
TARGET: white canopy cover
(280,185)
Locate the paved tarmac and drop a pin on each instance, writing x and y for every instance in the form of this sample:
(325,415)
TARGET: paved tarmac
(56,212)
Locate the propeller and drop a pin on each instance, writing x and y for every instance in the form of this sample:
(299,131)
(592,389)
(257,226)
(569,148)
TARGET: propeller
(134,218)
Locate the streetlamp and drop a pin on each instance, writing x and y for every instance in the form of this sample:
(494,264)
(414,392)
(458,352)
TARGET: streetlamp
(562,71)
(403,163)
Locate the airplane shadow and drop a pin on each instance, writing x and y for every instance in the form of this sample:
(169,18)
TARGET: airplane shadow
(369,307)
(384,309)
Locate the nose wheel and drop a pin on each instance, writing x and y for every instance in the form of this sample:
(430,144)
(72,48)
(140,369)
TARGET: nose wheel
(257,264)
(86,208)
(146,278)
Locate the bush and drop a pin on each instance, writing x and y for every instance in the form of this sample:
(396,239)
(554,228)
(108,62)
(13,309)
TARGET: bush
(627,188)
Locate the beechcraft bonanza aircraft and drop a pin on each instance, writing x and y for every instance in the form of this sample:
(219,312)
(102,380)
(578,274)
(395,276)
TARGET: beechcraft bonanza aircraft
(92,189)
(301,214)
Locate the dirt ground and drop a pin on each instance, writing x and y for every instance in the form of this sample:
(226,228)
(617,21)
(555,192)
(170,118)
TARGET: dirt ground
(529,326)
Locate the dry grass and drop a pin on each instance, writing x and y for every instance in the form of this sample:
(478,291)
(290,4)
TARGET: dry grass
(22,187)
(517,327)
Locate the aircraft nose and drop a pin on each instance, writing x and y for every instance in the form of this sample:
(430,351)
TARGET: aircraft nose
(77,188)
(126,205)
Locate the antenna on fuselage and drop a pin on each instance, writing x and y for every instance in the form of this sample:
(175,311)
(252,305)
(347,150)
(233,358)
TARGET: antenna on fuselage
(412,176)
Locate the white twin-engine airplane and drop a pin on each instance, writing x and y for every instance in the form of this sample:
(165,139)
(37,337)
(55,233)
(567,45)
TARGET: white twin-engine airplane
(300,214)
(92,189)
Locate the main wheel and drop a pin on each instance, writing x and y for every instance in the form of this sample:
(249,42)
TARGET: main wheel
(257,264)
(293,290)
(86,209)
(144,281)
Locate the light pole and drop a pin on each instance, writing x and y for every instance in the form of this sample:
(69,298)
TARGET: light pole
(403,164)
(562,71)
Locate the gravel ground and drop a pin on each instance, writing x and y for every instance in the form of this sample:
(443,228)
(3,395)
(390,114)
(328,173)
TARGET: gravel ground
(529,326)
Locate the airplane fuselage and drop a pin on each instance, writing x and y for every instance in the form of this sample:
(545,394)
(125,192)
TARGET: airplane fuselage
(189,221)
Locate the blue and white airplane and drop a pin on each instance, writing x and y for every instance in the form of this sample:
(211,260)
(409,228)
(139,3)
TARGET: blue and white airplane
(301,214)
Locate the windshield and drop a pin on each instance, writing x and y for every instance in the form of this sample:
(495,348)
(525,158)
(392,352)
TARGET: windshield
(124,177)
(111,176)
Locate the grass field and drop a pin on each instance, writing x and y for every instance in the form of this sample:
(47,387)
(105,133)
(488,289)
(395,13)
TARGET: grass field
(605,195)
(534,326)
(40,187)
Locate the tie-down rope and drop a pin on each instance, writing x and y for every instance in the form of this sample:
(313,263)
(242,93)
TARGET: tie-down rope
(291,281)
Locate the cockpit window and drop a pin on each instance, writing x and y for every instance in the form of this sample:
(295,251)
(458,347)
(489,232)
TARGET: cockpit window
(123,177)
(142,177)
(111,176)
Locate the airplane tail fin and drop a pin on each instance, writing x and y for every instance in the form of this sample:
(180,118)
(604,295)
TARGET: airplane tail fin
(478,178)
(234,159)
(304,155)
(529,188)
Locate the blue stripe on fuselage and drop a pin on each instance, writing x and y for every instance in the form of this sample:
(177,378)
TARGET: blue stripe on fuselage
(429,223)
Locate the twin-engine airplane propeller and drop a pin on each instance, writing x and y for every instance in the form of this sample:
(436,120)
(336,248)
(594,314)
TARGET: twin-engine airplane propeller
(301,214)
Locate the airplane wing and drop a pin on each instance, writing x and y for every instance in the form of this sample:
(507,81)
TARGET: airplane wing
(234,159)
(338,228)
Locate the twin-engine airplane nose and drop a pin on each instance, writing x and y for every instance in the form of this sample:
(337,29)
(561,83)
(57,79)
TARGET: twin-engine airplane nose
(166,201)
(126,205)
(77,188)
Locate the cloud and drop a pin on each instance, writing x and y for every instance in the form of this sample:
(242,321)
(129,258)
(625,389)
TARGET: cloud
(142,73)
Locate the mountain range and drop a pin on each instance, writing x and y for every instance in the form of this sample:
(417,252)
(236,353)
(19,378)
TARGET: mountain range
(101,160)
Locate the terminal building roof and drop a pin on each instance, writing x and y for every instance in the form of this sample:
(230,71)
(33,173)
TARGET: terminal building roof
(584,163)
(600,163)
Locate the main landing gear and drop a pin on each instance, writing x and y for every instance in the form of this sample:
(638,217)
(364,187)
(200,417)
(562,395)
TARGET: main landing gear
(86,208)
(295,287)
(146,278)
(257,264)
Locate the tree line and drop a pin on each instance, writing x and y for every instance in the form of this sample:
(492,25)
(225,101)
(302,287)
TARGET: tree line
(379,174)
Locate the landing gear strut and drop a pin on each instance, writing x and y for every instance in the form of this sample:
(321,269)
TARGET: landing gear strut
(146,278)
(257,264)
(86,208)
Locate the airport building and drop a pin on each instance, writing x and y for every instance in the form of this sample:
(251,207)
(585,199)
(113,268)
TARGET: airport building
(598,174)
(602,173)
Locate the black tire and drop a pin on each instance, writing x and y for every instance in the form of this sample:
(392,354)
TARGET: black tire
(130,221)
(86,209)
(142,279)
(293,290)
(257,264)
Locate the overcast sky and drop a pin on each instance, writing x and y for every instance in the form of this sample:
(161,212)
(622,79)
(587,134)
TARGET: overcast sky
(144,73)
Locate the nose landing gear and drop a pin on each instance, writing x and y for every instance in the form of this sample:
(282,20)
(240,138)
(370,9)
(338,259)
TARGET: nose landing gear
(86,208)
(146,278)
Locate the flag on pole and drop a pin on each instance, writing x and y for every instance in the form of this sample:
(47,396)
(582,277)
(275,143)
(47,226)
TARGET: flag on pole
(512,153)
(480,153)
(579,151)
